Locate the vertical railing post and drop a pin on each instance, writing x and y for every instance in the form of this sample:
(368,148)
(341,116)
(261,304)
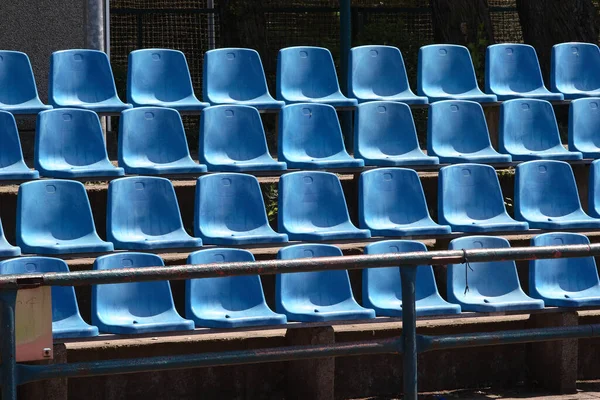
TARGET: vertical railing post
(345,47)
(8,347)
(409,331)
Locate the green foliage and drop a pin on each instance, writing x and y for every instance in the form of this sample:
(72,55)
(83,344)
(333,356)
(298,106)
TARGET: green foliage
(270,195)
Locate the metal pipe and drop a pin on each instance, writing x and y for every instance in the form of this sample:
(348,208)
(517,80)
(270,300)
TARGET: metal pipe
(32,373)
(409,331)
(8,347)
(210,4)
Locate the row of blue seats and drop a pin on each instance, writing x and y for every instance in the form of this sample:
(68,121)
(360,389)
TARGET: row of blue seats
(152,141)
(231,302)
(54,216)
(161,77)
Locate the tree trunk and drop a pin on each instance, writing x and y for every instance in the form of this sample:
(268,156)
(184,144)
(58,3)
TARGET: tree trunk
(549,22)
(243,24)
(465,22)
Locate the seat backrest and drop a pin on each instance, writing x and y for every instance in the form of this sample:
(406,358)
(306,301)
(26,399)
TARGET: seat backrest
(377,70)
(80,75)
(575,65)
(390,195)
(309,129)
(545,188)
(584,122)
(234,130)
(56,208)
(529,124)
(69,135)
(10,144)
(142,206)
(512,66)
(234,73)
(306,71)
(16,78)
(64,302)
(566,274)
(311,198)
(457,125)
(386,126)
(152,133)
(230,202)
(323,288)
(445,68)
(471,190)
(158,74)
(483,278)
(233,293)
(594,190)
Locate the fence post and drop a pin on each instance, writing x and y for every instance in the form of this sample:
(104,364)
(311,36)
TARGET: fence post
(8,348)
(409,331)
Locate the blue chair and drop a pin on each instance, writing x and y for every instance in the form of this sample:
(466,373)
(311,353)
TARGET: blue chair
(6,249)
(594,190)
(391,202)
(584,125)
(12,165)
(143,214)
(385,135)
(382,287)
(457,133)
(445,72)
(529,131)
(236,76)
(564,282)
(546,197)
(228,302)
(55,217)
(152,141)
(487,286)
(378,73)
(19,93)
(312,206)
(513,71)
(307,75)
(470,200)
(310,137)
(135,307)
(316,296)
(232,138)
(69,144)
(161,78)
(230,210)
(66,320)
(575,70)
(83,79)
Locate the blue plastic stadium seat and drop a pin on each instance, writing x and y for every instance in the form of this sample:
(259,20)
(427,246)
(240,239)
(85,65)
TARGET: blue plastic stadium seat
(457,132)
(385,135)
(6,249)
(512,71)
(83,79)
(236,76)
(152,141)
(310,137)
(19,93)
(546,197)
(564,282)
(312,206)
(12,165)
(307,75)
(584,125)
(161,78)
(232,138)
(594,190)
(575,70)
(529,131)
(227,302)
(391,202)
(316,296)
(66,320)
(230,210)
(55,217)
(143,214)
(69,144)
(136,307)
(492,286)
(445,71)
(382,287)
(378,73)
(470,200)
